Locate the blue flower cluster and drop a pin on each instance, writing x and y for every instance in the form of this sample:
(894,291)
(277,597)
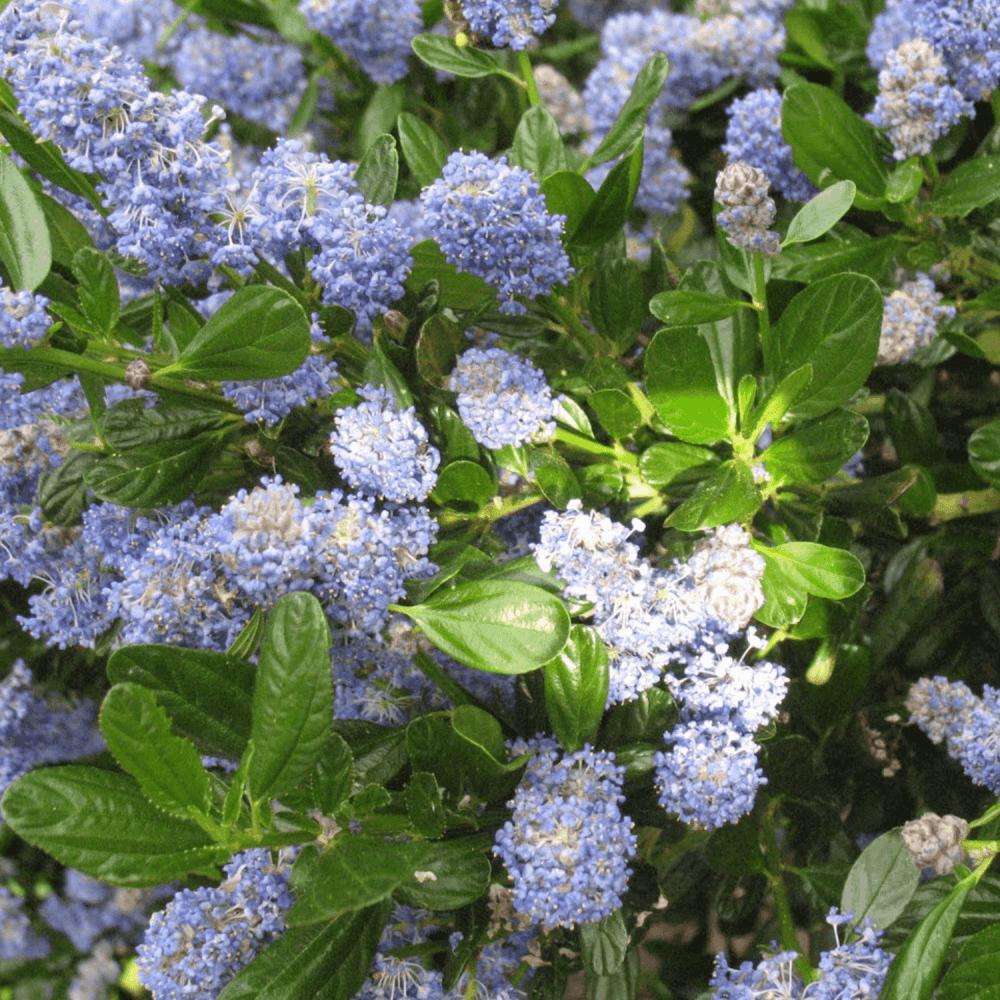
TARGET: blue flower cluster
(854,969)
(378,35)
(748,211)
(754,136)
(23,319)
(491,220)
(916,104)
(137,27)
(382,450)
(910,320)
(34,731)
(967,724)
(18,940)
(567,845)
(194,947)
(502,399)
(967,35)
(514,23)
(892,26)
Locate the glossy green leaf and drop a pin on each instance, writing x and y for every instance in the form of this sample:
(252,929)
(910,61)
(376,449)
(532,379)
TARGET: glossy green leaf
(628,127)
(555,478)
(681,385)
(576,688)
(834,325)
(816,569)
(478,727)
(261,332)
(461,870)
(779,400)
(62,491)
(905,181)
(102,824)
(378,171)
(567,193)
(167,767)
(440,342)
(663,462)
(442,53)
(827,137)
(66,232)
(784,599)
(164,472)
(503,627)
(975,973)
(97,286)
(881,882)
(815,451)
(537,145)
(467,482)
(622,984)
(617,303)
(913,429)
(873,256)
(424,805)
(691,308)
(984,452)
(605,943)
(208,695)
(973,184)
(821,213)
(728,494)
(131,424)
(25,246)
(293,697)
(606,214)
(456,290)
(324,961)
(354,871)
(915,970)
(424,152)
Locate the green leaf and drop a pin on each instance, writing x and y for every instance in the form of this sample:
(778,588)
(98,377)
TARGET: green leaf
(605,943)
(821,213)
(324,961)
(25,247)
(102,824)
(424,805)
(975,973)
(984,452)
(293,697)
(834,325)
(617,303)
(131,424)
(156,474)
(691,308)
(816,450)
(62,493)
(778,402)
(663,462)
(567,193)
(461,872)
(912,428)
(607,213)
(100,299)
(816,569)
(728,494)
(167,767)
(478,727)
(261,332)
(208,695)
(618,415)
(455,290)
(378,171)
(67,233)
(914,972)
(354,871)
(537,145)
(467,482)
(827,137)
(785,601)
(554,476)
(424,152)
(576,688)
(630,124)
(973,184)
(905,181)
(440,342)
(503,627)
(681,385)
(622,984)
(881,882)
(872,256)
(442,53)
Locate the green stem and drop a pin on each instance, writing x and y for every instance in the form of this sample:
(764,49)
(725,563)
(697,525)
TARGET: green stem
(581,443)
(760,303)
(593,343)
(931,168)
(524,64)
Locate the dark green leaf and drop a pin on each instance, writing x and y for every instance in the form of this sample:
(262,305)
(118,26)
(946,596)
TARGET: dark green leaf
(102,824)
(617,302)
(504,627)
(973,184)
(881,882)
(984,452)
(870,495)
(905,181)
(478,727)
(442,53)
(424,152)
(25,247)
(424,805)
(622,984)
(664,461)
(261,332)
(975,973)
(619,416)
(67,233)
(467,482)
(456,290)
(576,688)
(100,299)
(378,171)
(912,427)
(681,385)
(554,476)
(820,214)
(567,193)
(630,124)
(462,873)
(354,871)
(834,325)
(815,451)
(167,767)
(131,424)
(691,308)
(206,694)
(605,943)
(728,494)
(379,754)
(440,342)
(785,601)
(537,145)
(324,961)
(62,492)
(777,402)
(607,213)
(873,256)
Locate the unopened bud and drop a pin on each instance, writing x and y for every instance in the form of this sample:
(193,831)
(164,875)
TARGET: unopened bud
(137,374)
(935,841)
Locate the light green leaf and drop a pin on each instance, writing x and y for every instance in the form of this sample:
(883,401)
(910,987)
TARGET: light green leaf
(25,247)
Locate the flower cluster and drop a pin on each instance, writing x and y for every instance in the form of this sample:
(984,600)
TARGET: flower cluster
(748,211)
(513,23)
(566,845)
(502,399)
(205,936)
(23,319)
(935,842)
(910,319)
(490,219)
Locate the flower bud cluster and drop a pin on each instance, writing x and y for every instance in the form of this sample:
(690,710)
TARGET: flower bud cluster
(935,841)
(748,211)
(910,319)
